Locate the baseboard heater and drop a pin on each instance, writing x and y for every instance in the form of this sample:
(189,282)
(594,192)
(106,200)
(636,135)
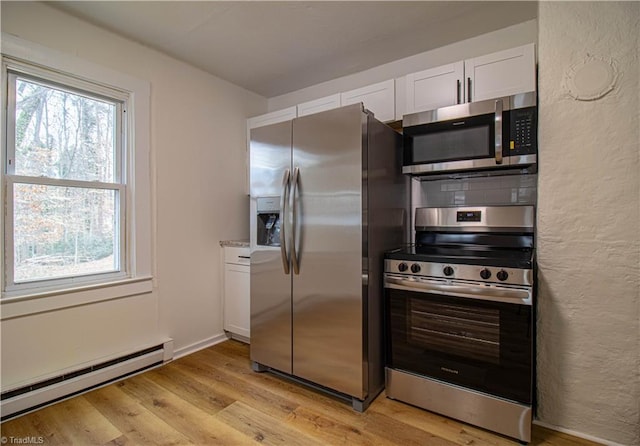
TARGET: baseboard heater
(34,396)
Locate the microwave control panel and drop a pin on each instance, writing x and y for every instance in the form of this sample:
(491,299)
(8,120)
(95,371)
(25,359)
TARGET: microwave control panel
(523,131)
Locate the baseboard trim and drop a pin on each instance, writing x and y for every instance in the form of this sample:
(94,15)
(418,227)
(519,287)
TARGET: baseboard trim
(196,346)
(31,397)
(576,433)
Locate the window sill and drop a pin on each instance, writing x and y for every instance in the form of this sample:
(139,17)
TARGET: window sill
(24,305)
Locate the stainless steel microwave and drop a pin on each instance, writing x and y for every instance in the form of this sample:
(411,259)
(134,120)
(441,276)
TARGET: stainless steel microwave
(495,134)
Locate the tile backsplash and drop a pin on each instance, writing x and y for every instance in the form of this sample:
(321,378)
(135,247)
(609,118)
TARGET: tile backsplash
(481,191)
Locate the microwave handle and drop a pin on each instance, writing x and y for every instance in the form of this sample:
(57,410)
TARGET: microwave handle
(498,131)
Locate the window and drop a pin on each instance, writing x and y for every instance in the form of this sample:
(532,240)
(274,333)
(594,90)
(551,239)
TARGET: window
(65,181)
(105,199)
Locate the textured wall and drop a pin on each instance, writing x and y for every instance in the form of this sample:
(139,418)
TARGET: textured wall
(588,219)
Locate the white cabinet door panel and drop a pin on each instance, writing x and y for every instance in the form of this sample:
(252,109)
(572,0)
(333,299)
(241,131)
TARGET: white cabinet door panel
(272,117)
(236,299)
(503,73)
(318,105)
(434,88)
(237,255)
(378,98)
(401,97)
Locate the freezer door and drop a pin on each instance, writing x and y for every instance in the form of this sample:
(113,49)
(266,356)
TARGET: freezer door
(327,205)
(270,162)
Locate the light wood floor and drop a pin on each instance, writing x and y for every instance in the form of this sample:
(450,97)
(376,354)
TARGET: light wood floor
(213,397)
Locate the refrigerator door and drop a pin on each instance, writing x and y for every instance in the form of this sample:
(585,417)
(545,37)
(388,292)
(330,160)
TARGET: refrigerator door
(327,207)
(270,164)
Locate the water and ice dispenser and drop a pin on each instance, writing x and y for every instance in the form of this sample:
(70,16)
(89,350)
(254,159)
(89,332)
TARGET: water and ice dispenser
(268,219)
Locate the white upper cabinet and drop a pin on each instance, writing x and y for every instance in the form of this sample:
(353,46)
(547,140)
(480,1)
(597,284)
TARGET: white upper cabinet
(318,105)
(434,88)
(272,118)
(285,114)
(500,74)
(401,97)
(495,75)
(378,98)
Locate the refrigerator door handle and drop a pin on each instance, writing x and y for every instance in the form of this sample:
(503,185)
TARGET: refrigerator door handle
(283,236)
(295,261)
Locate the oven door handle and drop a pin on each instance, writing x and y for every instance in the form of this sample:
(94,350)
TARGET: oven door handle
(493,293)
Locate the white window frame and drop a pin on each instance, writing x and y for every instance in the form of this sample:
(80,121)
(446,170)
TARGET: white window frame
(136,233)
(15,70)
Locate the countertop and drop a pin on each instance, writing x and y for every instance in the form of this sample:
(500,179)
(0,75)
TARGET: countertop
(235,243)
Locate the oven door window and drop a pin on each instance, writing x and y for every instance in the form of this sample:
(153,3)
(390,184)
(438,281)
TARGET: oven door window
(461,139)
(482,345)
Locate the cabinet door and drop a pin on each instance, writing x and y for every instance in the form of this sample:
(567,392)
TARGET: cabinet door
(500,74)
(272,118)
(318,105)
(401,97)
(434,88)
(378,98)
(236,299)
(286,114)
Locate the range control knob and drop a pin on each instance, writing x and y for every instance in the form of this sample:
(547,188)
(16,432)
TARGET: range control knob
(402,267)
(485,273)
(448,271)
(502,275)
(415,268)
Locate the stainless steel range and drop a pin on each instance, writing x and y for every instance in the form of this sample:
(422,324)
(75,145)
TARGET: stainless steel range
(459,316)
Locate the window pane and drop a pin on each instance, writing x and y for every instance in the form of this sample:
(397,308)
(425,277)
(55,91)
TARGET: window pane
(63,135)
(63,231)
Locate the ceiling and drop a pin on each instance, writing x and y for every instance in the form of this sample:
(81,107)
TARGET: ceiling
(272,48)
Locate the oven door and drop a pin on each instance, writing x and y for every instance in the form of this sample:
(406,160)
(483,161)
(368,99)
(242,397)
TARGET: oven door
(485,345)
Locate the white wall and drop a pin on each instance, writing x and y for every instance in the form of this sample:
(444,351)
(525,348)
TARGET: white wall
(510,37)
(198,164)
(589,224)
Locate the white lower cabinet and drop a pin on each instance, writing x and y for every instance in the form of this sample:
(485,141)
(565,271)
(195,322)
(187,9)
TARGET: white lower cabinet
(236,314)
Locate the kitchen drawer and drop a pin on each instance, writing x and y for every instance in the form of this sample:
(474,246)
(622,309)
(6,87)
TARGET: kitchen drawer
(236,255)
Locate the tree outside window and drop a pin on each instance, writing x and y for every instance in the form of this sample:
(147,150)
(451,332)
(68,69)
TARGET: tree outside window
(64,165)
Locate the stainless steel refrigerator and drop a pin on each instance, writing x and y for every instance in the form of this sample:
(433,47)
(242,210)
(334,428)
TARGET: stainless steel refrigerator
(327,199)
